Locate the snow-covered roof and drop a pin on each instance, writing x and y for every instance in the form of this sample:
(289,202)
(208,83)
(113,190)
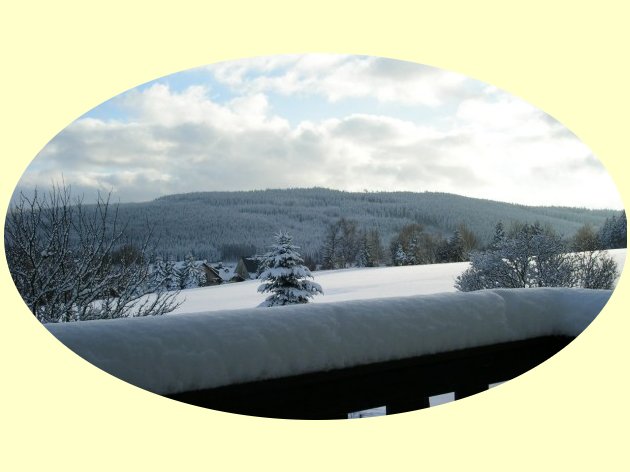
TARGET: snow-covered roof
(224,272)
(184,352)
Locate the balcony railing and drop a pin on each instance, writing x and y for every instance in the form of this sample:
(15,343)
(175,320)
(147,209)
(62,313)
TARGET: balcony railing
(328,360)
(401,385)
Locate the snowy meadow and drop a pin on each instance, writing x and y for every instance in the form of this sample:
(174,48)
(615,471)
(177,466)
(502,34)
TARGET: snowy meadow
(342,285)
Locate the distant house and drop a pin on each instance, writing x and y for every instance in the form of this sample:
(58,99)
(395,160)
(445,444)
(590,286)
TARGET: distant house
(237,278)
(213,276)
(246,269)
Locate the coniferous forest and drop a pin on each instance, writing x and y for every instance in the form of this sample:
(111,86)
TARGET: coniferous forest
(227,225)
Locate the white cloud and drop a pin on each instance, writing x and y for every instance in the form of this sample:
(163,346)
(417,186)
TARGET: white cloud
(159,105)
(505,114)
(337,77)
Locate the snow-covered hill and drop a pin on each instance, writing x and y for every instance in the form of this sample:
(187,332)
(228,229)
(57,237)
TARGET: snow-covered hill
(342,285)
(232,224)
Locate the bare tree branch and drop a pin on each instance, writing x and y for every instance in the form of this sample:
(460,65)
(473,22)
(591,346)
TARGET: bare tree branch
(59,252)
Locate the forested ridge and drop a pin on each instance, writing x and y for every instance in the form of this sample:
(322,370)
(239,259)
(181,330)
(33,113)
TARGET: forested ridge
(224,225)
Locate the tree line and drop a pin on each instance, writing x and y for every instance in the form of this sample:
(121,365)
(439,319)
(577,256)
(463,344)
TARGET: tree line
(347,244)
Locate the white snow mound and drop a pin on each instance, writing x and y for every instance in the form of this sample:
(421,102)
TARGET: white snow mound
(171,354)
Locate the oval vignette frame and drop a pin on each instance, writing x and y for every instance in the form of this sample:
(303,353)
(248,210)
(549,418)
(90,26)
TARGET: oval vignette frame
(246,113)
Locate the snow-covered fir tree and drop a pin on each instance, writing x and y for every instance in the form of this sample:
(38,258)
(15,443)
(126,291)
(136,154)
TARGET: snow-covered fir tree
(164,276)
(285,276)
(456,248)
(375,248)
(613,234)
(190,275)
(499,236)
(157,274)
(170,280)
(370,251)
(399,257)
(364,256)
(412,252)
(349,242)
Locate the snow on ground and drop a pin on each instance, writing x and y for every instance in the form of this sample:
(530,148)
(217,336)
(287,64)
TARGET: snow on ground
(342,285)
(619,256)
(339,285)
(169,354)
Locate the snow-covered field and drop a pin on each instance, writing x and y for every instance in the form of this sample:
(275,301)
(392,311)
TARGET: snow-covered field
(339,285)
(343,285)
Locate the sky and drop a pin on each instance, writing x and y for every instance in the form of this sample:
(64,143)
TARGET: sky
(355,123)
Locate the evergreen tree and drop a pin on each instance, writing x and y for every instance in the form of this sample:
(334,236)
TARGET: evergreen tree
(399,257)
(370,251)
(164,276)
(613,234)
(158,275)
(364,257)
(404,247)
(377,254)
(456,248)
(182,277)
(170,279)
(443,251)
(349,242)
(499,236)
(285,276)
(412,251)
(332,247)
(190,275)
(622,230)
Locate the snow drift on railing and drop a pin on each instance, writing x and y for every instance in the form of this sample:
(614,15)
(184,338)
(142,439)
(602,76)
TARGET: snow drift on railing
(185,352)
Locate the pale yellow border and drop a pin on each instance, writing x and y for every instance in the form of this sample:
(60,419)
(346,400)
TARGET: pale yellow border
(64,57)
